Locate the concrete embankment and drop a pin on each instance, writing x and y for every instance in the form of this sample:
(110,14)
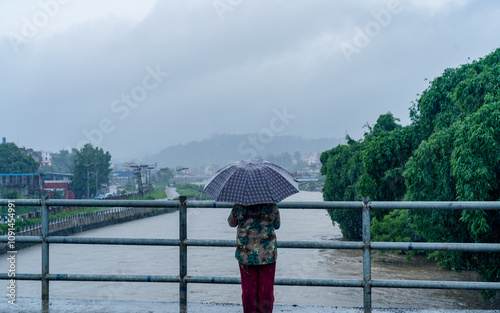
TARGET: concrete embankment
(68,225)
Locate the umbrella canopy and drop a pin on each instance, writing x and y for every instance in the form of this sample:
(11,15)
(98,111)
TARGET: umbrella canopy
(251,182)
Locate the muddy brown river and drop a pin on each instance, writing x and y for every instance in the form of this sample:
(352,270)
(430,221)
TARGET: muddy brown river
(212,224)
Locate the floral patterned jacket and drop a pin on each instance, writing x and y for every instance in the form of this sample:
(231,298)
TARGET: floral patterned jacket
(255,236)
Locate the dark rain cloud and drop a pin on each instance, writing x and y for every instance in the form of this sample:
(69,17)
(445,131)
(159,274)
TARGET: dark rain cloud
(188,69)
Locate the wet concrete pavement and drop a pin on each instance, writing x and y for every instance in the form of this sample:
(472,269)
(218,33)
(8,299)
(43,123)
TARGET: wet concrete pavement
(29,305)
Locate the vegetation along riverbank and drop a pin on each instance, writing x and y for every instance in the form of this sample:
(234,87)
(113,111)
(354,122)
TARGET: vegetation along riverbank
(449,152)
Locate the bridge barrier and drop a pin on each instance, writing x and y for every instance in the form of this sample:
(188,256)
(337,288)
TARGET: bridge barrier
(182,242)
(70,224)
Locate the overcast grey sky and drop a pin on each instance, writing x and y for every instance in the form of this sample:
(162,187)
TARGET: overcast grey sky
(136,76)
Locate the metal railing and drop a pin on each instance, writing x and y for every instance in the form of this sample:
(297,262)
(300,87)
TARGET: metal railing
(182,242)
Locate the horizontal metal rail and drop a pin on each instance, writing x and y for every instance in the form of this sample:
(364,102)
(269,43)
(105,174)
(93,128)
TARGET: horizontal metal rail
(432,246)
(190,279)
(114,241)
(94,203)
(352,245)
(281,244)
(429,284)
(435,205)
(116,278)
(183,242)
(281,281)
(304,205)
(421,284)
(379,205)
(21,276)
(23,239)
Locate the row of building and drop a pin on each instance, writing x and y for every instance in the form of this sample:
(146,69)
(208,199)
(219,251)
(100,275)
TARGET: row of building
(33,184)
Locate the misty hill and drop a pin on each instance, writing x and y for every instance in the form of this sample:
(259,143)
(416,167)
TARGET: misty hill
(222,149)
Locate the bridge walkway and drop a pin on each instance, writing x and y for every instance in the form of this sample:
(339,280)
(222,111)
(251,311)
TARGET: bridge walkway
(56,305)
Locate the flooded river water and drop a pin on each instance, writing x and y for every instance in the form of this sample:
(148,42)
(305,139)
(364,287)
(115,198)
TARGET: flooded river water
(212,224)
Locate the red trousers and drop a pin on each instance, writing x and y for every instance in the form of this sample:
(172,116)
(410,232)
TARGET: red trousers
(257,285)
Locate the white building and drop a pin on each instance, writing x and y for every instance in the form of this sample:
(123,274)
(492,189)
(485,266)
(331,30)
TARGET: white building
(311,158)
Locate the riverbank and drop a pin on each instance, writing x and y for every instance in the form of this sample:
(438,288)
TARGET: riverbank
(73,224)
(66,221)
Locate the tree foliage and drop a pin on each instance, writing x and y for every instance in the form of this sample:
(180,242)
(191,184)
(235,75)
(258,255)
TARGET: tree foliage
(460,161)
(13,161)
(286,160)
(372,166)
(342,167)
(163,176)
(84,170)
(449,152)
(384,159)
(62,161)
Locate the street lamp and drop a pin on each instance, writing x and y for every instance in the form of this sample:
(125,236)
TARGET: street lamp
(182,169)
(88,177)
(88,174)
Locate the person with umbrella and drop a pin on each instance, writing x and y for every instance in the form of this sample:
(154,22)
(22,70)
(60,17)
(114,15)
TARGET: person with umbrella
(255,187)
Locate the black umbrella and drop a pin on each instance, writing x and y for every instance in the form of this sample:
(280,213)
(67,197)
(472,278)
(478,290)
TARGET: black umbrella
(251,182)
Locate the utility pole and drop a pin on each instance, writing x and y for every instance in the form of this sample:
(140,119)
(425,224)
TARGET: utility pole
(138,175)
(88,173)
(183,169)
(96,182)
(88,166)
(149,168)
(139,171)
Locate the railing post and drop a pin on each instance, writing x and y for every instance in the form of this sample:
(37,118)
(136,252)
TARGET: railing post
(182,255)
(367,266)
(45,253)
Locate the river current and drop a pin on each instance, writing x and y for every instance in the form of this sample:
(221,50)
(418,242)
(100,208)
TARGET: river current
(212,224)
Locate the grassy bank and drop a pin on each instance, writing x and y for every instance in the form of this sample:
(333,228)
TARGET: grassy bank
(157,193)
(192,191)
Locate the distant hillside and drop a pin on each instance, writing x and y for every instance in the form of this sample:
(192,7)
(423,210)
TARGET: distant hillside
(222,149)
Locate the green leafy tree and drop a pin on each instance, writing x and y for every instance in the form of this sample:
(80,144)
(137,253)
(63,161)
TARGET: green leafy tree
(13,194)
(283,159)
(12,160)
(385,123)
(428,172)
(455,94)
(396,226)
(342,167)
(300,163)
(459,161)
(429,176)
(61,161)
(449,152)
(163,176)
(384,159)
(476,166)
(371,167)
(84,169)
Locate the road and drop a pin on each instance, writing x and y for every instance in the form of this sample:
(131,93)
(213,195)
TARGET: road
(171,193)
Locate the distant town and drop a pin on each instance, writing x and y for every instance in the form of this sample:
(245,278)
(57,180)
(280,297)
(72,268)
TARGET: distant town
(70,175)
